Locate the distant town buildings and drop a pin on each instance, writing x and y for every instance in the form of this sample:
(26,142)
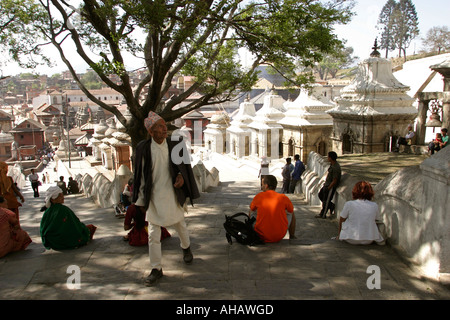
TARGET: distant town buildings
(359,116)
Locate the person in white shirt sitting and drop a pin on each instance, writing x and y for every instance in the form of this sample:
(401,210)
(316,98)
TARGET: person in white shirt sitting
(357,223)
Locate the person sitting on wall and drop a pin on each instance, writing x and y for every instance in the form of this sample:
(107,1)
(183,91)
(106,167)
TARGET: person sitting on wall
(444,133)
(62,185)
(326,193)
(72,186)
(435,144)
(407,139)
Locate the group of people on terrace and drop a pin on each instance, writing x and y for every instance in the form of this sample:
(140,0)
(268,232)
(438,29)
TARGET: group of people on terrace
(156,197)
(438,143)
(275,212)
(60,228)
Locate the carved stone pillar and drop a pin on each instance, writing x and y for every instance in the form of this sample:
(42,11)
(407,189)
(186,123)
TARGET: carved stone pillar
(446,109)
(421,120)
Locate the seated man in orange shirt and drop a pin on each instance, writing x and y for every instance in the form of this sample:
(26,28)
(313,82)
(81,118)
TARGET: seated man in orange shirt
(274,212)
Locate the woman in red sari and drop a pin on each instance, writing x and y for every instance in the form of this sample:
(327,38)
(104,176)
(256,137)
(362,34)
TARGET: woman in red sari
(9,190)
(135,222)
(12,237)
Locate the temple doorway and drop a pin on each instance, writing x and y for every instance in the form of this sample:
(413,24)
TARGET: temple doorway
(346,144)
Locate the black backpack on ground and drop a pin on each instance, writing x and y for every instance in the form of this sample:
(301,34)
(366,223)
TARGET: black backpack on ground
(242,231)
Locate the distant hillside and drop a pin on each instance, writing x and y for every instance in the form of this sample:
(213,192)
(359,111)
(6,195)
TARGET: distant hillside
(397,64)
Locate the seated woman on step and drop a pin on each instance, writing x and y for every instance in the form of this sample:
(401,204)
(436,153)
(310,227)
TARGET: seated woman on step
(135,222)
(60,227)
(12,237)
(357,224)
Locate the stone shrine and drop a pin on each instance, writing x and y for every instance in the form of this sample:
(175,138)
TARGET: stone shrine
(239,132)
(266,133)
(373,111)
(306,126)
(215,133)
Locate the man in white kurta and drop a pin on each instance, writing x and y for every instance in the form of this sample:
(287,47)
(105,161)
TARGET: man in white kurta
(164,209)
(160,190)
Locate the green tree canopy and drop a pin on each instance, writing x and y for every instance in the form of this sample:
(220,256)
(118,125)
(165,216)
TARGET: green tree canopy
(406,25)
(199,38)
(332,63)
(91,80)
(18,33)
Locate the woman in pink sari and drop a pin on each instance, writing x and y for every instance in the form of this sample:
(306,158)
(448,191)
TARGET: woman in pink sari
(12,237)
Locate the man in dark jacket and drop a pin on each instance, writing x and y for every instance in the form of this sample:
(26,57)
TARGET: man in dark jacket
(332,181)
(163,180)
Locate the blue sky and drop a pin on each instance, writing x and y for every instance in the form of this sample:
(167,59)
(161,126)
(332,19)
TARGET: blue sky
(361,31)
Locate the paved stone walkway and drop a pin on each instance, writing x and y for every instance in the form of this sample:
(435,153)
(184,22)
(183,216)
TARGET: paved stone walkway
(310,267)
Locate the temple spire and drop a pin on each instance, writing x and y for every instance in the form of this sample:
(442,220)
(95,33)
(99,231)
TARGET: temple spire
(375,53)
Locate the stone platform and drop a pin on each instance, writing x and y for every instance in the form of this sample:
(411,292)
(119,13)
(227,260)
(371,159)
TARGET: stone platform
(310,267)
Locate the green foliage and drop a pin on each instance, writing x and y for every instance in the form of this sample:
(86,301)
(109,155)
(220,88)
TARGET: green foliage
(200,38)
(91,80)
(19,28)
(385,24)
(332,63)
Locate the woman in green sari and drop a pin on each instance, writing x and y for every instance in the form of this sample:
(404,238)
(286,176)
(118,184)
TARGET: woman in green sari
(60,227)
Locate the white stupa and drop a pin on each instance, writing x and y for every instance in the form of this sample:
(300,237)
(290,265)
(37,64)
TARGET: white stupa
(373,110)
(239,133)
(267,131)
(307,110)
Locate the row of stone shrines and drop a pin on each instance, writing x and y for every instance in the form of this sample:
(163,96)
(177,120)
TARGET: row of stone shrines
(371,112)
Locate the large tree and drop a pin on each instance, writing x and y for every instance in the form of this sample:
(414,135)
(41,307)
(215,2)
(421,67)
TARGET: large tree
(385,24)
(17,34)
(191,37)
(332,63)
(406,26)
(437,39)
(399,25)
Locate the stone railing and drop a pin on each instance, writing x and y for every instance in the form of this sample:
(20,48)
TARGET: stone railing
(105,191)
(314,177)
(413,204)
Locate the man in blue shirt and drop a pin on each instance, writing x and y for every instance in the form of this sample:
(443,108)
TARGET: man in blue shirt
(296,175)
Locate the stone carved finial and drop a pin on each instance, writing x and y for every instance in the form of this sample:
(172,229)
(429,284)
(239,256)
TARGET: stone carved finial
(375,53)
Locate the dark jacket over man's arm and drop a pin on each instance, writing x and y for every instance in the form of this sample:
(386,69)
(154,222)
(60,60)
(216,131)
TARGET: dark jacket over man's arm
(189,188)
